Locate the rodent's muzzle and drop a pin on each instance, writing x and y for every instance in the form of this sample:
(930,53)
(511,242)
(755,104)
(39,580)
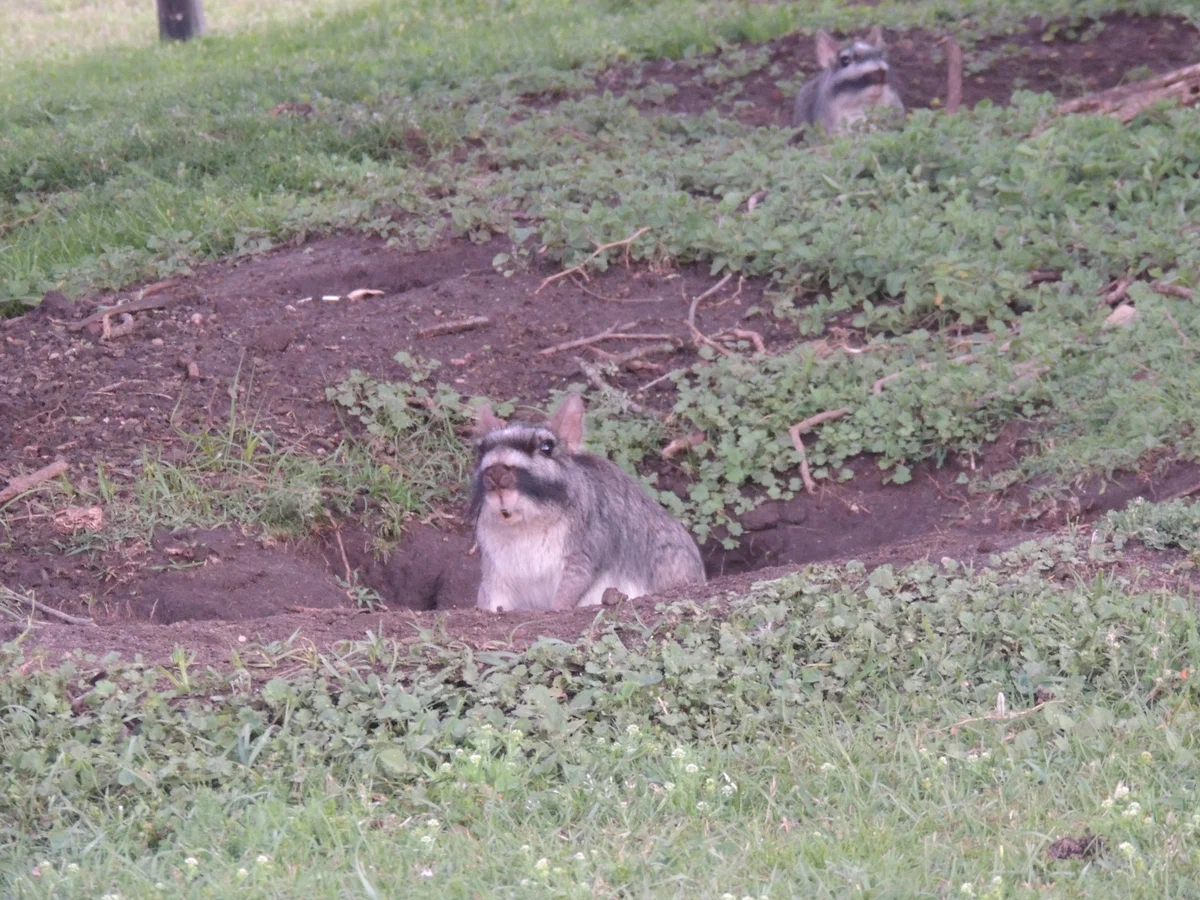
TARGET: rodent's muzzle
(500,478)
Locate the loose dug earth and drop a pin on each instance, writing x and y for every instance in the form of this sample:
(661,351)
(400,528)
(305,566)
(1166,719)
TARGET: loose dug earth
(245,333)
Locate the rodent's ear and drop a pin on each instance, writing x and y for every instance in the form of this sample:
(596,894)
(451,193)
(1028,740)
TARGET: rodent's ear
(876,37)
(827,50)
(567,422)
(486,420)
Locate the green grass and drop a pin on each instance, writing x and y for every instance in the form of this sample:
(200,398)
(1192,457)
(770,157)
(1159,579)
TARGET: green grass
(833,734)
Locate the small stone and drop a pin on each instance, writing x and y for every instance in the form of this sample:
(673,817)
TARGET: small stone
(612,597)
(795,511)
(1122,315)
(273,338)
(765,516)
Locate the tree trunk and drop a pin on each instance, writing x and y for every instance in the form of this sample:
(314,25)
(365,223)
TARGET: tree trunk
(180,20)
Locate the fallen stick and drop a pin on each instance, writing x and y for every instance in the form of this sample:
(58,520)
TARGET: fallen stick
(131,307)
(22,483)
(687,442)
(637,353)
(699,337)
(799,428)
(1171,290)
(954,74)
(50,610)
(747,334)
(1116,292)
(600,249)
(593,375)
(1043,276)
(615,333)
(454,327)
(1127,100)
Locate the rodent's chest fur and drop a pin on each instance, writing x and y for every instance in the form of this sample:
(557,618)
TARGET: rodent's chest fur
(526,563)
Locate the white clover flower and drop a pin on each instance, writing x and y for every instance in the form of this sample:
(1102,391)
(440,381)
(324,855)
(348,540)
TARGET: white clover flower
(729,789)
(427,839)
(669,786)
(476,759)
(445,767)
(517,734)
(580,857)
(702,806)
(242,873)
(967,889)
(434,824)
(191,861)
(1107,802)
(997,879)
(691,768)
(678,753)
(943,762)
(972,758)
(728,897)
(1127,848)
(459,751)
(1133,809)
(542,864)
(827,767)
(486,728)
(923,751)
(1147,757)
(427,873)
(525,848)
(1120,790)
(262,859)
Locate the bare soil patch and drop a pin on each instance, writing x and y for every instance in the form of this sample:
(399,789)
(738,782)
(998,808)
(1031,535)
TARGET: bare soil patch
(258,335)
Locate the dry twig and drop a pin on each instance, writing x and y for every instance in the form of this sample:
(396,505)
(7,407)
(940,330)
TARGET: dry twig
(599,249)
(698,337)
(454,327)
(954,74)
(615,333)
(49,610)
(687,442)
(1171,290)
(799,428)
(22,483)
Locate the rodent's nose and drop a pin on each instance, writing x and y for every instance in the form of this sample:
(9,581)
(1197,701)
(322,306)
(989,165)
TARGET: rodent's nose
(499,477)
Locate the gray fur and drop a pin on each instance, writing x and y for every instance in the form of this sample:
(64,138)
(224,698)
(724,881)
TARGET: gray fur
(556,526)
(854,78)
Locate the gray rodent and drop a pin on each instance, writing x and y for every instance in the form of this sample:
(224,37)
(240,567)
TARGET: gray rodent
(853,78)
(556,526)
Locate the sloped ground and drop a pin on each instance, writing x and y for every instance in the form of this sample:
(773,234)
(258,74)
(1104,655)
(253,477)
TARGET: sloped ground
(259,337)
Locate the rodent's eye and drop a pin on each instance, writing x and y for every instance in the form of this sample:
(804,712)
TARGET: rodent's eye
(546,447)
(844,60)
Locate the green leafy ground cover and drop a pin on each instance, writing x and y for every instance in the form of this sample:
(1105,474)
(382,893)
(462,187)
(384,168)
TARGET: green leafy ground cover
(808,738)
(834,733)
